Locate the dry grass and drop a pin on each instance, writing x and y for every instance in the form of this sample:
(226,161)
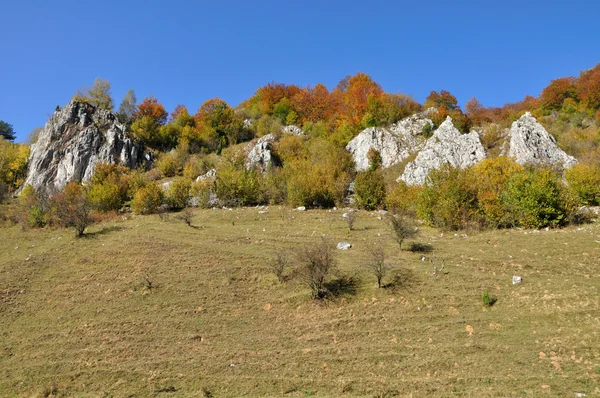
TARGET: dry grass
(142,307)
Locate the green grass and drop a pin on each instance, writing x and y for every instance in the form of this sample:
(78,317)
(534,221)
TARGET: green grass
(143,307)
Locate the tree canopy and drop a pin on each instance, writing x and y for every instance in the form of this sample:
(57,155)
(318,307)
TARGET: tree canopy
(6,131)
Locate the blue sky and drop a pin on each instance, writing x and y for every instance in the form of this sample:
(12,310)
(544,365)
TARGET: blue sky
(189,51)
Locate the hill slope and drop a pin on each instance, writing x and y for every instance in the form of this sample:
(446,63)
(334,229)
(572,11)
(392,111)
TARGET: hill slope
(143,307)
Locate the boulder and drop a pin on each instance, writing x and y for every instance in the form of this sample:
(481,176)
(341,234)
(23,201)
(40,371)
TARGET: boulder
(71,144)
(394,143)
(446,146)
(293,130)
(344,245)
(530,143)
(209,175)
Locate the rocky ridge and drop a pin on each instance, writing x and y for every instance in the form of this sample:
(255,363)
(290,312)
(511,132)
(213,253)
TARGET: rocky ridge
(394,144)
(446,146)
(530,143)
(71,144)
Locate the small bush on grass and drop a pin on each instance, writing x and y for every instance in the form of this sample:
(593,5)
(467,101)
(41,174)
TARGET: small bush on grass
(147,199)
(376,264)
(178,194)
(316,265)
(488,300)
(536,198)
(186,215)
(350,218)
(279,263)
(403,228)
(72,208)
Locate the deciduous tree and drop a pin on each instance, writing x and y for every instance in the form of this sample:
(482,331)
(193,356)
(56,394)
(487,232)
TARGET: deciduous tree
(128,107)
(98,95)
(151,108)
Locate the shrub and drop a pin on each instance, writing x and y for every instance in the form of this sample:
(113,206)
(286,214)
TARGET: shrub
(279,264)
(369,188)
(491,176)
(449,199)
(147,199)
(178,194)
(402,199)
(109,187)
(275,185)
(72,208)
(350,217)
(236,185)
(374,158)
(32,209)
(3,192)
(427,130)
(317,174)
(584,181)
(488,300)
(316,264)
(402,228)
(202,193)
(536,198)
(168,165)
(105,197)
(186,215)
(376,264)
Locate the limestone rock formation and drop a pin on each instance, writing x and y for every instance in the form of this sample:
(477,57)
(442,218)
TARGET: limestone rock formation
(259,153)
(71,144)
(530,143)
(447,145)
(394,144)
(293,130)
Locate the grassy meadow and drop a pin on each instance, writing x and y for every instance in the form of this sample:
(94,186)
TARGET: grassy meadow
(149,307)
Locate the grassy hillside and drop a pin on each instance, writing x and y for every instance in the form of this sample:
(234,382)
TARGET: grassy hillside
(145,307)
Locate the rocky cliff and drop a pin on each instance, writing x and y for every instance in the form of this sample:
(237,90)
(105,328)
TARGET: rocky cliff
(447,145)
(73,141)
(530,143)
(394,144)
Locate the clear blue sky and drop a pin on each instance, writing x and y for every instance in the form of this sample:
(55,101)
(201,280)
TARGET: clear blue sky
(189,51)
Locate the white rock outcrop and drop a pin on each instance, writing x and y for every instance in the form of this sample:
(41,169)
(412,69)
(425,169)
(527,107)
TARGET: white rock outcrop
(259,153)
(394,143)
(71,144)
(293,130)
(530,143)
(446,146)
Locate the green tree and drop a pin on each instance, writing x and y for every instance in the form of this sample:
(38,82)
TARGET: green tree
(370,189)
(98,95)
(6,131)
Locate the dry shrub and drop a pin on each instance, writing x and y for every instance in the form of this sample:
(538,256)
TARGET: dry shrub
(72,208)
(376,264)
(316,265)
